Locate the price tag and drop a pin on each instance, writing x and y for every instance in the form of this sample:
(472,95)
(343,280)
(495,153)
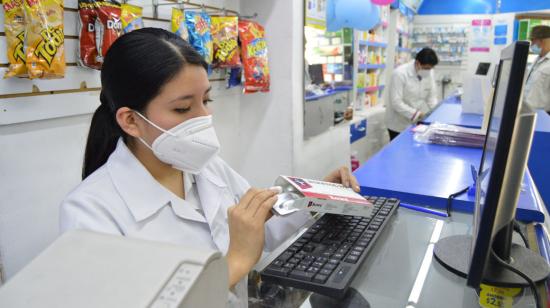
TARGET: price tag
(496,297)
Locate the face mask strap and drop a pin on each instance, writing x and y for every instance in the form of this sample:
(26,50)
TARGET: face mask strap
(145,143)
(153,124)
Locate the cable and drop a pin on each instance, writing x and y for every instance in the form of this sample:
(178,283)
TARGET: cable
(517,228)
(452,196)
(521,274)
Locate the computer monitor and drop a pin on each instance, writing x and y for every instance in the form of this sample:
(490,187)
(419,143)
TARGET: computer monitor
(505,155)
(483,68)
(316,74)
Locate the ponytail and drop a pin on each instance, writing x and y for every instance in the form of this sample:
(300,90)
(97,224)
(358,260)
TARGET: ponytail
(102,138)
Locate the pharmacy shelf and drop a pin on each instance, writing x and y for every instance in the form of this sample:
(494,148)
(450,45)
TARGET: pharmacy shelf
(373,44)
(371,66)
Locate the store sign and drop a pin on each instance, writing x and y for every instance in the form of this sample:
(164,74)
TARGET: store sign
(316,13)
(480,40)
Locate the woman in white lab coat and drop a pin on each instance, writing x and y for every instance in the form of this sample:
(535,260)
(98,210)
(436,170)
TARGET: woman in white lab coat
(151,168)
(412,92)
(537,87)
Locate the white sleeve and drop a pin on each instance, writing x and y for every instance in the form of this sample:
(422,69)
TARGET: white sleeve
(538,96)
(432,98)
(83,212)
(279,228)
(398,83)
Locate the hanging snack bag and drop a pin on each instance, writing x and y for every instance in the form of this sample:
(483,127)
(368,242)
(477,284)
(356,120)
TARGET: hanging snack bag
(99,27)
(14,24)
(131,17)
(198,26)
(45,39)
(178,25)
(254,57)
(234,78)
(224,35)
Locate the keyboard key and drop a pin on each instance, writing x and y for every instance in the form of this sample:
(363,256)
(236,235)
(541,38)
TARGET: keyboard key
(318,264)
(301,267)
(322,260)
(289,265)
(338,256)
(313,269)
(330,266)
(277,270)
(345,246)
(355,253)
(326,271)
(306,263)
(352,259)
(308,248)
(327,254)
(319,278)
(300,255)
(362,243)
(294,260)
(340,274)
(285,256)
(277,263)
(334,261)
(358,248)
(301,275)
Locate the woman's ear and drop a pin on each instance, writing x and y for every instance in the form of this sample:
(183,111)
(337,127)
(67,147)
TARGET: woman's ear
(126,119)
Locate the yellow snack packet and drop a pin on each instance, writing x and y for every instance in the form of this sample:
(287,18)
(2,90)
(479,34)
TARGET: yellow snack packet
(45,39)
(178,25)
(14,24)
(131,17)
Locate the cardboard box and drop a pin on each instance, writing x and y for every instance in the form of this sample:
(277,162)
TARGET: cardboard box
(318,196)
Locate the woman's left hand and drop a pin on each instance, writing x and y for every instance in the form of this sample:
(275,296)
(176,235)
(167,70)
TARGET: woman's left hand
(343,176)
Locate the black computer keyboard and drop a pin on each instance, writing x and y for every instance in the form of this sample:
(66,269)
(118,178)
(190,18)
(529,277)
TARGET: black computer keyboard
(327,256)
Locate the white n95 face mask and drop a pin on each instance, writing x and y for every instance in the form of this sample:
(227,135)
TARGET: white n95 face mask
(188,146)
(424,73)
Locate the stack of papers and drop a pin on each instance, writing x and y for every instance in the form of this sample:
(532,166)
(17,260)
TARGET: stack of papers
(446,134)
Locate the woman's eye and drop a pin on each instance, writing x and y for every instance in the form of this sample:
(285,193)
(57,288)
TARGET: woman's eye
(182,110)
(206,101)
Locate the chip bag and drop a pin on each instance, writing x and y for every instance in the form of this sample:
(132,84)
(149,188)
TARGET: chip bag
(14,24)
(45,39)
(224,35)
(99,27)
(254,57)
(131,17)
(198,26)
(178,25)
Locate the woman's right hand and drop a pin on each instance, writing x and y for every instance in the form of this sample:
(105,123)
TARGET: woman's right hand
(247,232)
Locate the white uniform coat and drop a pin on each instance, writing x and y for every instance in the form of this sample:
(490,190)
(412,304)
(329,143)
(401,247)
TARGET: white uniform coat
(408,95)
(123,198)
(537,87)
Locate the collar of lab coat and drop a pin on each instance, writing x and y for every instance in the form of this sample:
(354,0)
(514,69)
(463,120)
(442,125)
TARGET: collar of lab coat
(145,196)
(411,70)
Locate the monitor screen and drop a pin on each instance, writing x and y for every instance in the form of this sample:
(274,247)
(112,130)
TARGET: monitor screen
(316,73)
(483,68)
(492,137)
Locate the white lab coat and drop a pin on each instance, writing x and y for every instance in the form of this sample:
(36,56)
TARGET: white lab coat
(123,198)
(537,87)
(408,95)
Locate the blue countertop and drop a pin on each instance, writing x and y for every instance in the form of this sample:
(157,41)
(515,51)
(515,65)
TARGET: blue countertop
(327,93)
(426,174)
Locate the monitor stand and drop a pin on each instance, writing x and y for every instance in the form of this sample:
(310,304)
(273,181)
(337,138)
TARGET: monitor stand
(453,253)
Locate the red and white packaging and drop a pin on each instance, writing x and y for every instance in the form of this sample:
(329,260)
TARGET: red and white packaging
(318,196)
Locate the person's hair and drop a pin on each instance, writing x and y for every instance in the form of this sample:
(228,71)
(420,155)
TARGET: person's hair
(135,69)
(427,56)
(540,32)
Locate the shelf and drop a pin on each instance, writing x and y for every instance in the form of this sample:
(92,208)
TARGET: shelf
(371,66)
(373,44)
(403,49)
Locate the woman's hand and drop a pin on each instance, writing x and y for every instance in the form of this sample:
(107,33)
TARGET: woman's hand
(247,232)
(343,176)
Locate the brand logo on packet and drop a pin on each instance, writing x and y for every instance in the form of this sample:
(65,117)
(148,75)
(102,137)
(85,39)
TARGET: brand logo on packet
(300,182)
(8,6)
(51,40)
(313,204)
(200,25)
(18,52)
(256,47)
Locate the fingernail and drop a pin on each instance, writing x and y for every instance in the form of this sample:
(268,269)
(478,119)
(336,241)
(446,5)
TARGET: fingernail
(357,188)
(277,189)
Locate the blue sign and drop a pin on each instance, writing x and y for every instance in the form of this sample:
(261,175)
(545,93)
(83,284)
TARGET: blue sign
(501,30)
(500,40)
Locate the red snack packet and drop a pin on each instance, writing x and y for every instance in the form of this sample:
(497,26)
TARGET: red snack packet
(99,27)
(254,57)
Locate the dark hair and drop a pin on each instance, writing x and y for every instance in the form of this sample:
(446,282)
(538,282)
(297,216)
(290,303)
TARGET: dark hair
(135,69)
(427,56)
